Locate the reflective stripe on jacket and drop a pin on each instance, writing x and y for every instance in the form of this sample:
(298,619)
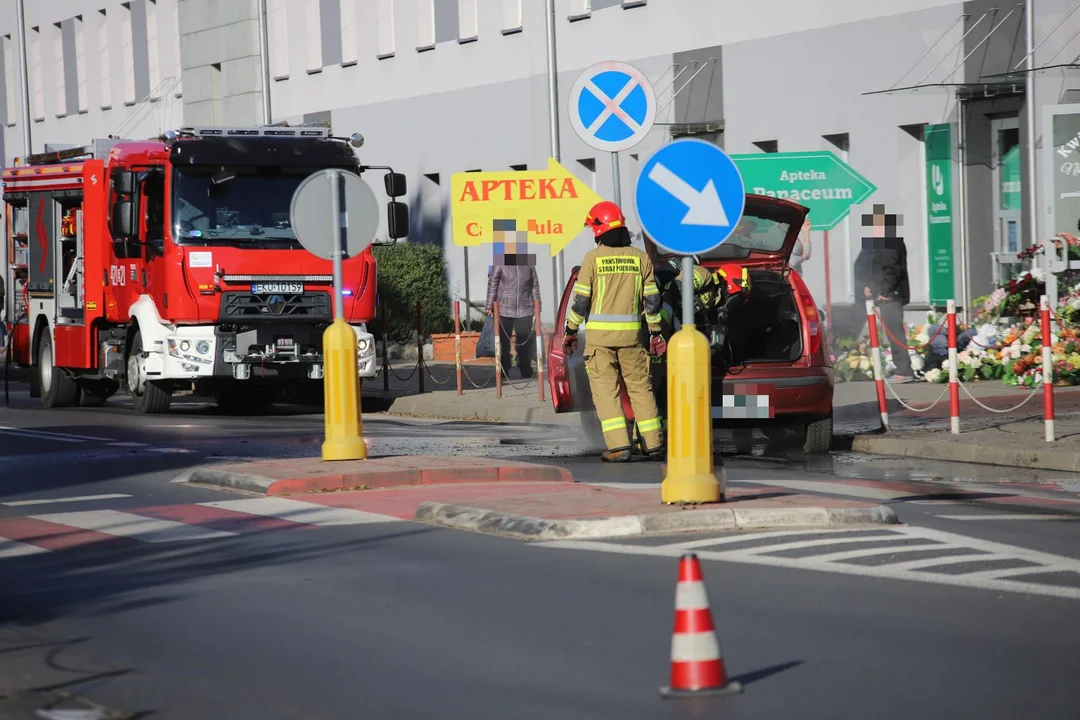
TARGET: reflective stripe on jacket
(615,287)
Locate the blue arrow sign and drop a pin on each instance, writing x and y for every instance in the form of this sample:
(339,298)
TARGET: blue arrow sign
(612,106)
(689,196)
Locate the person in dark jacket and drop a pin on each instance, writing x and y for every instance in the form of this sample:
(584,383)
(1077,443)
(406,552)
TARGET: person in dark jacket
(881,272)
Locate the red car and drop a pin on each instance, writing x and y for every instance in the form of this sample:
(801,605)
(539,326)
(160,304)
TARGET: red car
(773,372)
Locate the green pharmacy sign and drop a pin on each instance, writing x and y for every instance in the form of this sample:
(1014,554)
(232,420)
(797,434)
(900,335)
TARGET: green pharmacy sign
(939,212)
(818,180)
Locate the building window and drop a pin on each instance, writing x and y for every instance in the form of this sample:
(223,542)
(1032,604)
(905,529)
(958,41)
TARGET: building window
(37,79)
(384,21)
(9,80)
(105,59)
(313,36)
(579,9)
(127,45)
(152,47)
(278,30)
(80,63)
(330,25)
(425,25)
(350,46)
(467,22)
(511,17)
(627,4)
(217,94)
(58,70)
(448,20)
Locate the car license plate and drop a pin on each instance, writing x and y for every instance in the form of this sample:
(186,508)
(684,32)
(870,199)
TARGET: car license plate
(277,288)
(746,402)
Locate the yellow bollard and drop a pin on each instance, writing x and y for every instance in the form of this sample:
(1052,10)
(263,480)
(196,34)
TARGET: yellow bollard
(344,428)
(689,476)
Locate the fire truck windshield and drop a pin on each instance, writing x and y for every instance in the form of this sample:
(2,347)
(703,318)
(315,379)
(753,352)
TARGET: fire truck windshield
(227,205)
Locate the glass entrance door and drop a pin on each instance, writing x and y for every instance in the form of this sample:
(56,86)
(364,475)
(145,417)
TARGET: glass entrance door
(1007,197)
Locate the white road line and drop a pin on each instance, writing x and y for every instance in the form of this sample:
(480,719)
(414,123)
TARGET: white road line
(128,444)
(52,435)
(878,571)
(747,536)
(301,512)
(10,548)
(169,450)
(38,436)
(871,552)
(1010,517)
(999,579)
(143,529)
(77,498)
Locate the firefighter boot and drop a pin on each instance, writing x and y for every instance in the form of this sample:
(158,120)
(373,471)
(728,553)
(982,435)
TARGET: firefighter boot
(616,455)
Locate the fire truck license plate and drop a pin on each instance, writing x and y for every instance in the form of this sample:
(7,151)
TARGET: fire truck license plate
(277,288)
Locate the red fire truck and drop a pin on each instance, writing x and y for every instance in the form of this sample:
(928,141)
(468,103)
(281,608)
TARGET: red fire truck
(171,265)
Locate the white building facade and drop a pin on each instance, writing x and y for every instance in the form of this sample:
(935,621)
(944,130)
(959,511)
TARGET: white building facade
(443,86)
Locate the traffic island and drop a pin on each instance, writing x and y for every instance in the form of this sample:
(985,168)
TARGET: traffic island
(310,474)
(575,512)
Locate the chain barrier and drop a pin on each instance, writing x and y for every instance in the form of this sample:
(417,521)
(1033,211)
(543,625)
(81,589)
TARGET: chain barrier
(465,374)
(393,372)
(995,410)
(903,345)
(928,408)
(435,379)
(506,379)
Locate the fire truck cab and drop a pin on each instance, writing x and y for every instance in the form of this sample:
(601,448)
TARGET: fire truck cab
(170,265)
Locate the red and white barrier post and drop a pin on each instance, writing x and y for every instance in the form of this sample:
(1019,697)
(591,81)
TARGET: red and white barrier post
(1047,368)
(457,343)
(875,356)
(498,349)
(538,329)
(954,380)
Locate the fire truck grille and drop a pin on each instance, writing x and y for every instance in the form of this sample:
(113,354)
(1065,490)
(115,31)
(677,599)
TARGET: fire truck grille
(238,306)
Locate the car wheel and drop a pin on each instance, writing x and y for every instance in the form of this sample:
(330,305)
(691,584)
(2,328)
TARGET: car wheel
(818,438)
(58,389)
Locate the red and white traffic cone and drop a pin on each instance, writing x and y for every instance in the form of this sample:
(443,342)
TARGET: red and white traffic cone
(697,665)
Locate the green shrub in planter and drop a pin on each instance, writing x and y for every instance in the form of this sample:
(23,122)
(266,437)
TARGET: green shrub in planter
(409,273)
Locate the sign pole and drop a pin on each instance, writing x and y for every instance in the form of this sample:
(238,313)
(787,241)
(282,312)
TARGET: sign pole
(828,278)
(688,291)
(558,263)
(616,179)
(336,248)
(689,198)
(341,383)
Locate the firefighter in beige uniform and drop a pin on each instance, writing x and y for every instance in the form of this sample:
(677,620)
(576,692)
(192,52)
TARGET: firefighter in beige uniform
(615,287)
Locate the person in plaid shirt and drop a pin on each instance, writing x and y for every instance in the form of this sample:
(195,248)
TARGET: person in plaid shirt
(513,283)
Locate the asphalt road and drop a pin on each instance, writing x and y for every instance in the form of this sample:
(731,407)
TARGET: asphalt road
(401,620)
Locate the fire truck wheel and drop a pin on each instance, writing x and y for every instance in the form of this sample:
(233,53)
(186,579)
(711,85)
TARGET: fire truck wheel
(58,389)
(149,398)
(95,393)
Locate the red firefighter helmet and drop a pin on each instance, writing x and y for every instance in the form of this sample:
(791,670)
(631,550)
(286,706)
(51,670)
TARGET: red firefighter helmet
(734,279)
(603,217)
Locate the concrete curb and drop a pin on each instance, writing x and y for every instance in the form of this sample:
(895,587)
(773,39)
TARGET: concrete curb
(955,451)
(491,522)
(465,408)
(374,477)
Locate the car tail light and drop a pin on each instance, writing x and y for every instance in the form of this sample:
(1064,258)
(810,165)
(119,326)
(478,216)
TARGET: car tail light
(809,311)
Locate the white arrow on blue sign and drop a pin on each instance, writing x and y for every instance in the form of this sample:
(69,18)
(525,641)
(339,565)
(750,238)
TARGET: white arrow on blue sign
(689,197)
(612,106)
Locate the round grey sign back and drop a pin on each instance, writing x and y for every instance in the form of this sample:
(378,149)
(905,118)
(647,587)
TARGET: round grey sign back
(312,220)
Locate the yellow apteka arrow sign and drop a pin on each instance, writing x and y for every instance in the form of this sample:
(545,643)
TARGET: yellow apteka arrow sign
(550,204)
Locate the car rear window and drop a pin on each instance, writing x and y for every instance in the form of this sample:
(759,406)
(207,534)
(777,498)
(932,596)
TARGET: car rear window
(752,234)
